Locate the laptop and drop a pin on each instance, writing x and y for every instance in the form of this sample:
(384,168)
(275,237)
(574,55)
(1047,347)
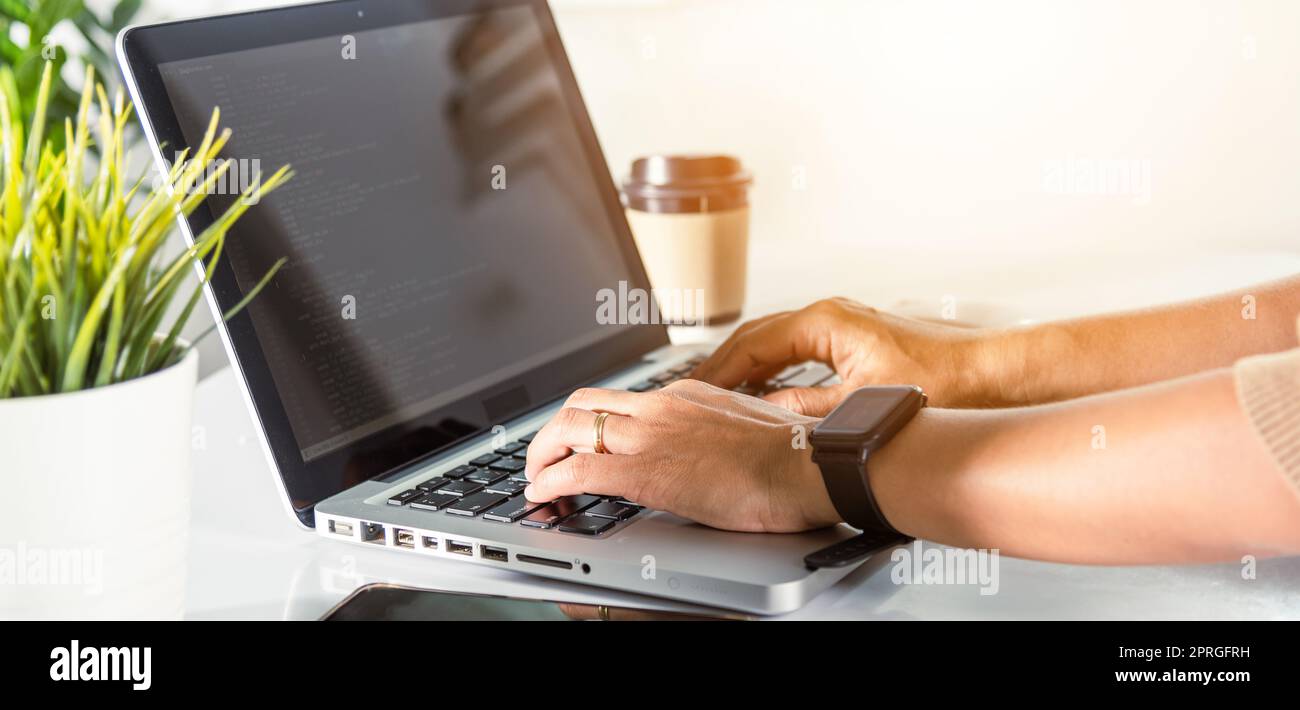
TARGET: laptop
(448,232)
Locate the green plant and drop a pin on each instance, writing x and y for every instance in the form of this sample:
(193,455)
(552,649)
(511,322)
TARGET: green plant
(84,286)
(33,23)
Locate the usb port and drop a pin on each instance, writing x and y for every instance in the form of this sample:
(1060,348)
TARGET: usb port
(404,538)
(496,554)
(338,527)
(460,548)
(430,543)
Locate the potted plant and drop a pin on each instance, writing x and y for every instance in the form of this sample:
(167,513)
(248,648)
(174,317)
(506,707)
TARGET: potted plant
(95,384)
(28,29)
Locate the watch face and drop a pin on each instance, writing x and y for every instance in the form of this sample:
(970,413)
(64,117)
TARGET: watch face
(863,411)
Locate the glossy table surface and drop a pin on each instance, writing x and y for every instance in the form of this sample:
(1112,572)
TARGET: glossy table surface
(249,560)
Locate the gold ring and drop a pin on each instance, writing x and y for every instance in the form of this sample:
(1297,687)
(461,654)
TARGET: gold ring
(600,433)
(603,612)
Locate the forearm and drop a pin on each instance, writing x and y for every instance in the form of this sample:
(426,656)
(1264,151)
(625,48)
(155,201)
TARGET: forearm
(1173,474)
(1062,360)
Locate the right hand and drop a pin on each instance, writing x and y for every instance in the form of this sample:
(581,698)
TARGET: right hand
(864,346)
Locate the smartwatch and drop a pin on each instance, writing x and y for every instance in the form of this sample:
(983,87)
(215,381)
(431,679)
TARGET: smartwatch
(844,441)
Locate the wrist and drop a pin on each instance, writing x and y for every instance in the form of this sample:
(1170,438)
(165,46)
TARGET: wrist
(1006,367)
(817,509)
(895,471)
(844,448)
(981,370)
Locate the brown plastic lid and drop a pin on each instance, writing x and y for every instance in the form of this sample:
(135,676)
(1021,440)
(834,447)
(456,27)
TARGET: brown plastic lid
(683,184)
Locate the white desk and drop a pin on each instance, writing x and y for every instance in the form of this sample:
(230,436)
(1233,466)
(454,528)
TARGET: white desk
(249,560)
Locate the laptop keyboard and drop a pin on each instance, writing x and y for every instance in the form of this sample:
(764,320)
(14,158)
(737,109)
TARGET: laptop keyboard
(490,487)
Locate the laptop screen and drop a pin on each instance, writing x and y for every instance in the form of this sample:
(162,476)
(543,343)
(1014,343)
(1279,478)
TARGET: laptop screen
(447,231)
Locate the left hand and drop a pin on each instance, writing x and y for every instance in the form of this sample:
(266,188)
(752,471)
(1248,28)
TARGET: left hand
(957,366)
(711,455)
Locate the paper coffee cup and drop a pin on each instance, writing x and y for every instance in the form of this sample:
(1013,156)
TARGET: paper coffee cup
(690,218)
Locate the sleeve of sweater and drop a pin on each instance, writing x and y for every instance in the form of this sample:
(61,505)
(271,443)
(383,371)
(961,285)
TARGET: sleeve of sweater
(1268,388)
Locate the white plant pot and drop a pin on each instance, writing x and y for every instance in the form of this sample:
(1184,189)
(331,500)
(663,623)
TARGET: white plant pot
(95,499)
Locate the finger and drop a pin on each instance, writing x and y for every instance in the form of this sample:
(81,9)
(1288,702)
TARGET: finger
(809,401)
(580,612)
(760,376)
(587,612)
(589,473)
(572,430)
(703,369)
(596,399)
(794,338)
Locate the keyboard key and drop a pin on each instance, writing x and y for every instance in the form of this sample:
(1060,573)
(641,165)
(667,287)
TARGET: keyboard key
(558,510)
(485,476)
(508,487)
(484,460)
(405,497)
(543,517)
(586,525)
(511,448)
(461,488)
(459,471)
(433,484)
(811,376)
(663,378)
(508,465)
(477,503)
(512,510)
(434,501)
(613,511)
(790,371)
(682,370)
(518,476)
(522,454)
(642,387)
(528,438)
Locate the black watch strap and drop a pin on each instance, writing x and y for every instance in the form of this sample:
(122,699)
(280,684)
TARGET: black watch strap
(850,492)
(853,550)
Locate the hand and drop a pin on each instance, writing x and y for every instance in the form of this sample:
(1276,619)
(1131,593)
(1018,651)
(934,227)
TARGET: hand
(714,456)
(863,345)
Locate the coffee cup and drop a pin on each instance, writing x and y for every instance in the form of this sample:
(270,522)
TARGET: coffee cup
(690,217)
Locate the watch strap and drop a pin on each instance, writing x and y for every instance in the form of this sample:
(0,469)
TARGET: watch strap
(850,491)
(853,550)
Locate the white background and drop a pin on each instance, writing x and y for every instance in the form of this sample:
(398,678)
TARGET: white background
(927,127)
